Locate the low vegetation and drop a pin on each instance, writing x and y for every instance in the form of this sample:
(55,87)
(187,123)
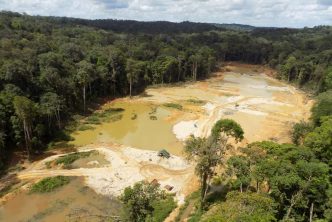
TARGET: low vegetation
(245,206)
(146,202)
(85,127)
(196,101)
(192,200)
(173,105)
(49,184)
(67,160)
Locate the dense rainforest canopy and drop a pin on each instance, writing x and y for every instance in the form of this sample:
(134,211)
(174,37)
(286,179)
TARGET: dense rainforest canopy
(52,68)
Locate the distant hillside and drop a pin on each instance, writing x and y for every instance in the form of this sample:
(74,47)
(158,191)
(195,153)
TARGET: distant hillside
(234,26)
(132,26)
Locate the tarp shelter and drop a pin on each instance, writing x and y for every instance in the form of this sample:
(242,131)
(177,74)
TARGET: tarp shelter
(164,153)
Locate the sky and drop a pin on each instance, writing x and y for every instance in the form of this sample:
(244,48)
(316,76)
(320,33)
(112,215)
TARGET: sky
(277,13)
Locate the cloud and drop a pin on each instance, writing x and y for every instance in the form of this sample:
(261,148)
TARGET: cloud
(281,13)
(113,4)
(325,2)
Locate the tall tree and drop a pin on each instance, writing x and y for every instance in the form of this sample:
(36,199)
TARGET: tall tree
(84,77)
(133,69)
(25,109)
(239,167)
(51,105)
(209,152)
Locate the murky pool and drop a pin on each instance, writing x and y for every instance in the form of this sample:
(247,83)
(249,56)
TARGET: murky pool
(143,125)
(72,202)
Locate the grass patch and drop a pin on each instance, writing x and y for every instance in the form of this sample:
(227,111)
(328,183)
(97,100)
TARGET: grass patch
(94,119)
(49,184)
(5,190)
(48,164)
(196,216)
(173,105)
(162,208)
(71,158)
(111,114)
(194,197)
(85,127)
(113,118)
(196,101)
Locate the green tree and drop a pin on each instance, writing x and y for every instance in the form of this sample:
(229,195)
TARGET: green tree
(289,69)
(144,200)
(322,107)
(239,167)
(320,140)
(300,130)
(84,77)
(51,105)
(209,152)
(133,69)
(328,79)
(245,207)
(294,179)
(25,109)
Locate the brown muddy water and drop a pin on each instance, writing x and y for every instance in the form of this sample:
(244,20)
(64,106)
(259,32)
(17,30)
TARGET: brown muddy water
(72,202)
(143,125)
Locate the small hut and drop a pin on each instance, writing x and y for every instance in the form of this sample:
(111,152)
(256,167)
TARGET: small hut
(163,153)
(169,187)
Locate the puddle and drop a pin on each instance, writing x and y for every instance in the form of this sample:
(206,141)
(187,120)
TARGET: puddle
(143,125)
(72,202)
(95,160)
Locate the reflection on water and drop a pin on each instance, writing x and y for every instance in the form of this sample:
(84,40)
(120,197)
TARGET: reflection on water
(73,202)
(143,126)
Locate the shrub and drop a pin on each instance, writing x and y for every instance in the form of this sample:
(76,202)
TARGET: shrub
(70,158)
(114,118)
(85,127)
(196,101)
(49,184)
(147,202)
(93,120)
(162,208)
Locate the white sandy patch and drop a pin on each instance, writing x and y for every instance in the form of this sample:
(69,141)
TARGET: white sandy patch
(264,101)
(127,166)
(93,163)
(209,107)
(233,99)
(184,129)
(174,162)
(253,112)
(271,88)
